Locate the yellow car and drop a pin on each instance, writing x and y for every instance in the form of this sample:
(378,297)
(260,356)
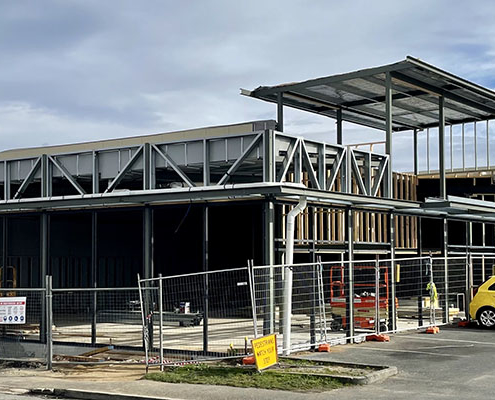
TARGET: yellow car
(482,307)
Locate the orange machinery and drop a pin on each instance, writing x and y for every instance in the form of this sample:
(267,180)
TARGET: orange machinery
(364,297)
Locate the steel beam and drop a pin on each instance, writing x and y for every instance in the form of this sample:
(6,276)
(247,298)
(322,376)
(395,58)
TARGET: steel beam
(309,167)
(125,170)
(234,167)
(441,147)
(442,93)
(29,178)
(289,157)
(67,174)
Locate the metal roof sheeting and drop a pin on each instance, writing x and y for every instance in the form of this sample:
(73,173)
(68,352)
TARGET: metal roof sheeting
(360,95)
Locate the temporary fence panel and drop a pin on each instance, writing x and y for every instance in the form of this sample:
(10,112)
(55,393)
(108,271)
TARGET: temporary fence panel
(200,316)
(23,326)
(305,325)
(412,276)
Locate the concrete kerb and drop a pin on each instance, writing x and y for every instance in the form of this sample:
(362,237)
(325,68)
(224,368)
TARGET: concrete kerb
(91,395)
(378,374)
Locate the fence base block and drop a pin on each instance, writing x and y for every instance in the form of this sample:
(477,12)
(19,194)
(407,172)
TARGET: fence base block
(465,324)
(324,347)
(249,360)
(432,330)
(378,338)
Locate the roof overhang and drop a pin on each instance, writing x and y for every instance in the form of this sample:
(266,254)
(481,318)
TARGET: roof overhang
(360,95)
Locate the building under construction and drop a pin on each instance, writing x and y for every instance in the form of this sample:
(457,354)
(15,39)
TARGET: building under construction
(95,214)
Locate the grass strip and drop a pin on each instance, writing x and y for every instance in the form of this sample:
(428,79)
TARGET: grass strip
(242,377)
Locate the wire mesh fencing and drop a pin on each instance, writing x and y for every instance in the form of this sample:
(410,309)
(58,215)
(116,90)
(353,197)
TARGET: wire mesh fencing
(196,316)
(193,317)
(23,331)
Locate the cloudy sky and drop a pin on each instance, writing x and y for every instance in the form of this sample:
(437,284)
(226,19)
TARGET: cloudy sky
(81,70)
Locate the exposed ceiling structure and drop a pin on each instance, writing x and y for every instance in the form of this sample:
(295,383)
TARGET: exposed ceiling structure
(360,96)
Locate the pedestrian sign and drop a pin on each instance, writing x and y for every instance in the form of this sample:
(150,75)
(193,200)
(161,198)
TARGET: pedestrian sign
(265,351)
(12,310)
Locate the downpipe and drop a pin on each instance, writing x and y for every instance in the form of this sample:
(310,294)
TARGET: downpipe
(289,260)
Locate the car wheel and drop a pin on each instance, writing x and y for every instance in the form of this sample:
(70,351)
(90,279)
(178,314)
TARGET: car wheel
(486,317)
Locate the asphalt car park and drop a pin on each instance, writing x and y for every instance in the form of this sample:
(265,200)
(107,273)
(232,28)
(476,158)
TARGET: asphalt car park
(457,363)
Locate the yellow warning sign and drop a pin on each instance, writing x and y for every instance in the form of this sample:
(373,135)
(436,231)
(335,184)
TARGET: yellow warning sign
(265,351)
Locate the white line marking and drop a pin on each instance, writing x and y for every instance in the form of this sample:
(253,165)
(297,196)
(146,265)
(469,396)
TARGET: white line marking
(447,340)
(413,351)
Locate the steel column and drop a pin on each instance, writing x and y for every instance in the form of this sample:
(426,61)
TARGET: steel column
(148,242)
(388,133)
(446,269)
(441,146)
(393,283)
(46,177)
(148,168)
(280,112)
(420,254)
(415,139)
(206,234)
(5,221)
(268,156)
(206,162)
(339,126)
(95,178)
(94,272)
(350,278)
(269,259)
(44,270)
(6,180)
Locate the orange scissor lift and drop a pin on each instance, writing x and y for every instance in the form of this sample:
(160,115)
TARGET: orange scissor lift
(364,298)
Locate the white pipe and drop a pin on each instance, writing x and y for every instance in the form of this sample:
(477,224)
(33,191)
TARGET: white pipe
(289,260)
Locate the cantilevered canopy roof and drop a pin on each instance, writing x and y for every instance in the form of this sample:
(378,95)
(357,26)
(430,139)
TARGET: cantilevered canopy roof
(360,95)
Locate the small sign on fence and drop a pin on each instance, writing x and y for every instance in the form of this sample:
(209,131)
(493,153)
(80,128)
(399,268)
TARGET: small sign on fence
(265,351)
(12,310)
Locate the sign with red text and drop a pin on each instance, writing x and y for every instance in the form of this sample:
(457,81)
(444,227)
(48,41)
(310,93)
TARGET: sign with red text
(12,310)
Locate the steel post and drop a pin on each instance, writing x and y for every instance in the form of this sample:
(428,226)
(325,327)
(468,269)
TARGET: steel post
(206,234)
(420,254)
(160,310)
(49,321)
(415,140)
(280,112)
(339,127)
(350,277)
(446,270)
(268,259)
(6,180)
(392,324)
(95,178)
(94,272)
